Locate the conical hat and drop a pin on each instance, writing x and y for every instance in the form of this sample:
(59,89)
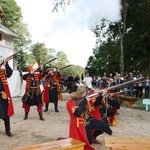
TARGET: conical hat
(32,67)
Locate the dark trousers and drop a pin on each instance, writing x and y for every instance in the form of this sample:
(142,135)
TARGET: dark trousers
(7,125)
(147,88)
(139,92)
(99,127)
(53,97)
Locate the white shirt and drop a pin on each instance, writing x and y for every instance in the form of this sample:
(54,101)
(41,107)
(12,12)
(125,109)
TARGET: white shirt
(88,81)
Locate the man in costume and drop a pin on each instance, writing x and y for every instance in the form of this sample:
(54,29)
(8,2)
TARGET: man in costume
(114,105)
(82,123)
(60,85)
(33,93)
(51,90)
(6,105)
(94,106)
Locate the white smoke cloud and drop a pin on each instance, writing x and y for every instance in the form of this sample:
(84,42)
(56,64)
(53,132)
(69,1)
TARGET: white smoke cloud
(83,13)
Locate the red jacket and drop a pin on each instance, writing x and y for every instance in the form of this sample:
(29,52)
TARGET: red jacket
(77,126)
(3,78)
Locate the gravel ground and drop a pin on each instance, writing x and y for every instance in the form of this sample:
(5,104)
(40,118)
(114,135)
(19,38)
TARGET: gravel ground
(132,122)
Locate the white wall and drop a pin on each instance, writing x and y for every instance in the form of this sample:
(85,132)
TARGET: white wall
(6,48)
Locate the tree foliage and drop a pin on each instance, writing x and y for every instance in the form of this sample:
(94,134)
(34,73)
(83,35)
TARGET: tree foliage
(13,20)
(136,34)
(61,60)
(12,13)
(73,70)
(60,4)
(40,53)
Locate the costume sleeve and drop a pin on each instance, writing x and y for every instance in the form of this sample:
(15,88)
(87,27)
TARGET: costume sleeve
(9,71)
(81,108)
(44,74)
(98,101)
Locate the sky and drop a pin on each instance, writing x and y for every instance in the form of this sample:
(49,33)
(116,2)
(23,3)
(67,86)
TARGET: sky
(69,30)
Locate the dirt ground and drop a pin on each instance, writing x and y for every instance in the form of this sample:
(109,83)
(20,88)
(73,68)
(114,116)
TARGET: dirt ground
(132,122)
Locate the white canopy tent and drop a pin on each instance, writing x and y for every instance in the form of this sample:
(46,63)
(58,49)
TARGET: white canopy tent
(16,84)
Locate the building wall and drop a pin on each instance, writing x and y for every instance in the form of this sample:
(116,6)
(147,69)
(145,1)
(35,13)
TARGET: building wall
(6,48)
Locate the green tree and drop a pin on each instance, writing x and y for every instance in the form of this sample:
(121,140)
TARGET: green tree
(138,36)
(13,20)
(73,70)
(40,53)
(130,37)
(60,4)
(61,60)
(12,13)
(105,59)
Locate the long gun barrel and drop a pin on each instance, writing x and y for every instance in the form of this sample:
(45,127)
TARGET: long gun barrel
(64,67)
(117,86)
(11,56)
(45,64)
(49,61)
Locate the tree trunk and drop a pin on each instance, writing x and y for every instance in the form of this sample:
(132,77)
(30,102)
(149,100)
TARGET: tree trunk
(122,28)
(121,51)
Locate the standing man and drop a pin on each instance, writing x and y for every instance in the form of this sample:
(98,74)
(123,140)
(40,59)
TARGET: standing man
(52,89)
(54,94)
(88,82)
(60,85)
(33,93)
(46,81)
(147,87)
(6,105)
(140,86)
